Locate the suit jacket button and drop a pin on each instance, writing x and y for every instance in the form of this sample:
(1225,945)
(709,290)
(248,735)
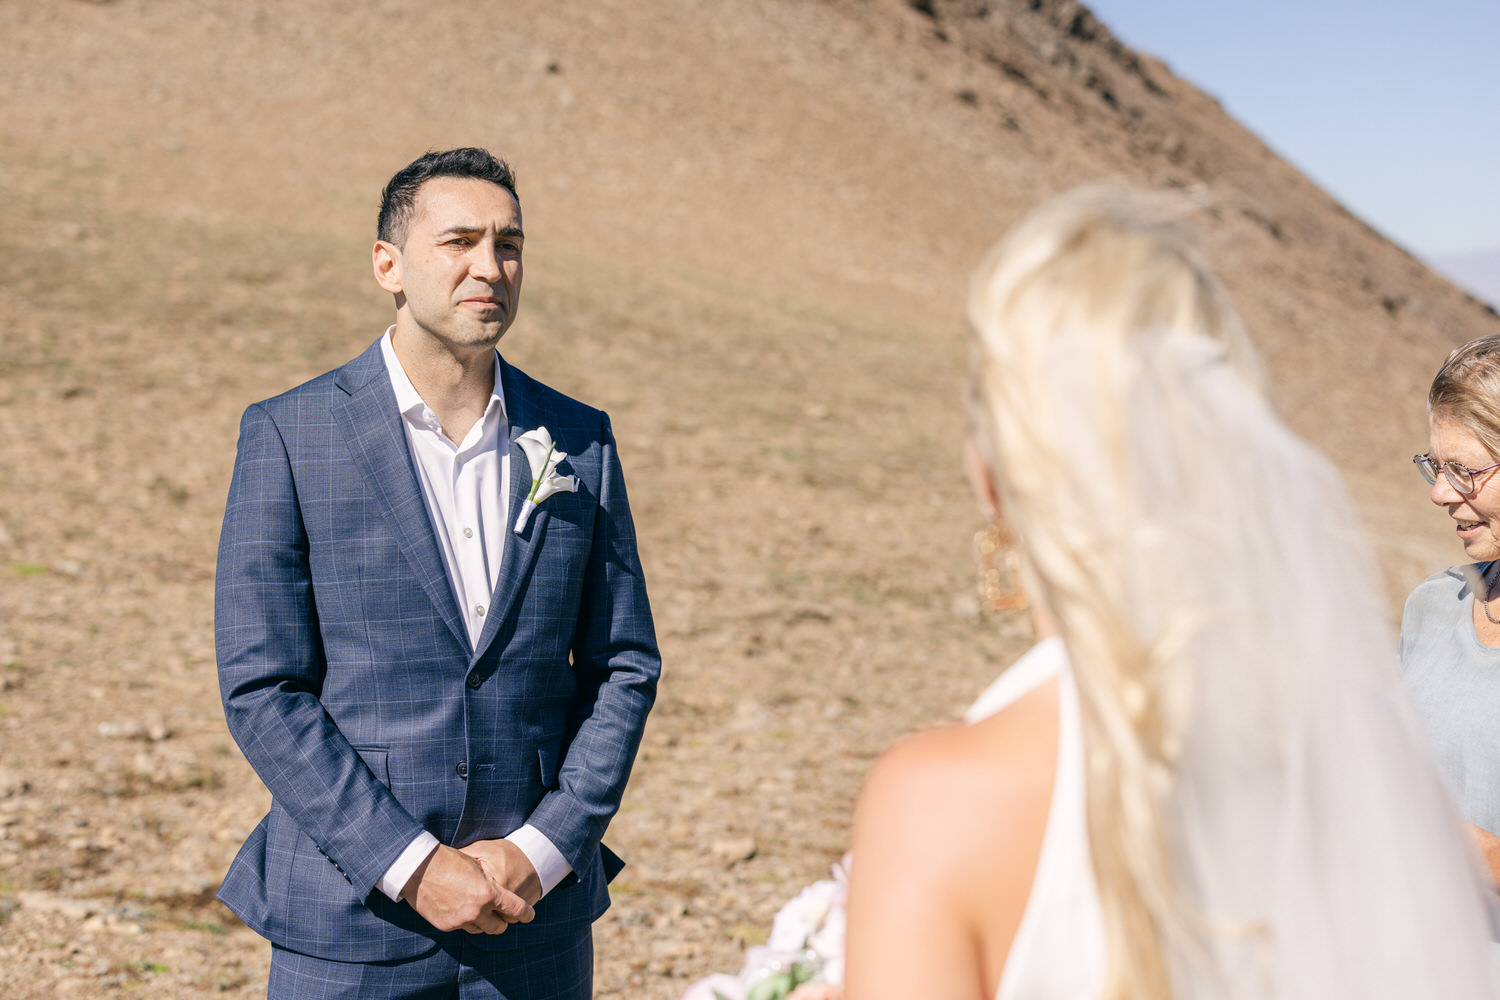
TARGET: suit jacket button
(475,680)
(462,769)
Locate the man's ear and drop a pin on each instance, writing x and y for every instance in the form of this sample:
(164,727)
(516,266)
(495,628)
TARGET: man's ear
(386,260)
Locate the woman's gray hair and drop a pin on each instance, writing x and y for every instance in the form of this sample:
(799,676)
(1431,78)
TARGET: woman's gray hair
(1466,390)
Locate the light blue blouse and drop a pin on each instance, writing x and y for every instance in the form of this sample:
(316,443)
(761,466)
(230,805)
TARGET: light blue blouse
(1454,681)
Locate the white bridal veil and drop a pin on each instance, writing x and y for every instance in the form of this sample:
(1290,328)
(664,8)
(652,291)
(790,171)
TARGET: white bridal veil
(1316,854)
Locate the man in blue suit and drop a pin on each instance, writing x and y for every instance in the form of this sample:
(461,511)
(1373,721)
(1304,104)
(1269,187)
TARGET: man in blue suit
(433,636)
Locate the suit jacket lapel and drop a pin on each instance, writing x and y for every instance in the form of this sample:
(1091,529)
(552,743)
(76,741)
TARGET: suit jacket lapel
(371,425)
(523,415)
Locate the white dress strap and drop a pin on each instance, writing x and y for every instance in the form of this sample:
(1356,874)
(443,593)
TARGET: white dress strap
(1058,952)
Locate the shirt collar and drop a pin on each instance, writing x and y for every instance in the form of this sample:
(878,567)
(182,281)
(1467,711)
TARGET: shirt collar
(408,400)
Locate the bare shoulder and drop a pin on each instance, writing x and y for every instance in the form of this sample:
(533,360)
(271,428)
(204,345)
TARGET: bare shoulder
(947,785)
(947,831)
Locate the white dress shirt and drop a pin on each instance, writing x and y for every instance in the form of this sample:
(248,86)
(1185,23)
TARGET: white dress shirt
(466,487)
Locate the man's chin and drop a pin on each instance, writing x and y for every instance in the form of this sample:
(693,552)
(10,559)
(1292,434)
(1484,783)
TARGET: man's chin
(478,336)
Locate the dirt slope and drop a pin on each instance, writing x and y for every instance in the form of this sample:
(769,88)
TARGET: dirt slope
(749,231)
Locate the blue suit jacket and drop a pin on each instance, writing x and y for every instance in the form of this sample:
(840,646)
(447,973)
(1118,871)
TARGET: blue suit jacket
(349,683)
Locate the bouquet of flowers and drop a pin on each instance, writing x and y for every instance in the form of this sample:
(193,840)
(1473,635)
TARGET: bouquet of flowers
(804,957)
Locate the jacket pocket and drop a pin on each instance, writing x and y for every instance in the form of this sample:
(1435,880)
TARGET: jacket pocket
(549,757)
(377,759)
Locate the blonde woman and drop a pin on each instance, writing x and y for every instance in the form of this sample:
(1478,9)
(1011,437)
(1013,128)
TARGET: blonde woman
(1203,783)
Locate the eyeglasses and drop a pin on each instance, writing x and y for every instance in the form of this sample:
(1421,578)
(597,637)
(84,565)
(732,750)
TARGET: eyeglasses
(1460,477)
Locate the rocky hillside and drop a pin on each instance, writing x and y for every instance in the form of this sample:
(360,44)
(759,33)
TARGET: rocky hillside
(749,230)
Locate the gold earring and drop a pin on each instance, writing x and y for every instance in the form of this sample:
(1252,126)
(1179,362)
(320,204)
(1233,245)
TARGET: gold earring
(999,578)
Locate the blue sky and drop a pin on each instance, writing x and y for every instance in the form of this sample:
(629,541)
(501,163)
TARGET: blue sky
(1392,107)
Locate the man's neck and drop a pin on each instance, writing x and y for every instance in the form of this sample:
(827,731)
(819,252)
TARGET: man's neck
(456,385)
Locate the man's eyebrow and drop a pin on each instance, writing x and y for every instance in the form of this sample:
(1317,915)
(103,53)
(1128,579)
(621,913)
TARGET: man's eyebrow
(466,228)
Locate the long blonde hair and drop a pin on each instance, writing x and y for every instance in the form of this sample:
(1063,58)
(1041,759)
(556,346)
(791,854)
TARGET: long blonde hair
(1257,786)
(1066,314)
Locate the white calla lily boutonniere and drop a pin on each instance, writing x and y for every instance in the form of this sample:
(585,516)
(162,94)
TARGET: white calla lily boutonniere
(542,454)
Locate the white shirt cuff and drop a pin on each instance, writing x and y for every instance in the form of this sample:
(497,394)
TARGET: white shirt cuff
(551,867)
(398,874)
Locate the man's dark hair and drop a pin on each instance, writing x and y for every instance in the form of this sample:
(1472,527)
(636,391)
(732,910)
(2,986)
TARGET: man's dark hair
(400,195)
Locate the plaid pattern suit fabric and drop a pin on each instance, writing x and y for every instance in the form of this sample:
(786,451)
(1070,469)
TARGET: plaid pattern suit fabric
(349,683)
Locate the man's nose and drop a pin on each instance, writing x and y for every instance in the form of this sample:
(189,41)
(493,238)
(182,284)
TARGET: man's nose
(484,263)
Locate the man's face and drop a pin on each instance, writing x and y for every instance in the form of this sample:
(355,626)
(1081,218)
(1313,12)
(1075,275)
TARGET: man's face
(457,279)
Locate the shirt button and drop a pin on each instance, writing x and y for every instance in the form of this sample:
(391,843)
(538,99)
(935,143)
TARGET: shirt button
(468,532)
(462,769)
(479,610)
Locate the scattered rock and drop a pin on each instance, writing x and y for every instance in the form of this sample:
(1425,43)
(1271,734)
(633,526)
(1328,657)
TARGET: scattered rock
(110,923)
(68,567)
(47,902)
(673,949)
(12,783)
(734,850)
(134,729)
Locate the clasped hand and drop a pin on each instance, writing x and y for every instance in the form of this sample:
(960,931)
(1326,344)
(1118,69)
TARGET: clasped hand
(482,889)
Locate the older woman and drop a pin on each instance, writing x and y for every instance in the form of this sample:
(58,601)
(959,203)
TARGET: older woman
(1450,632)
(1199,787)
